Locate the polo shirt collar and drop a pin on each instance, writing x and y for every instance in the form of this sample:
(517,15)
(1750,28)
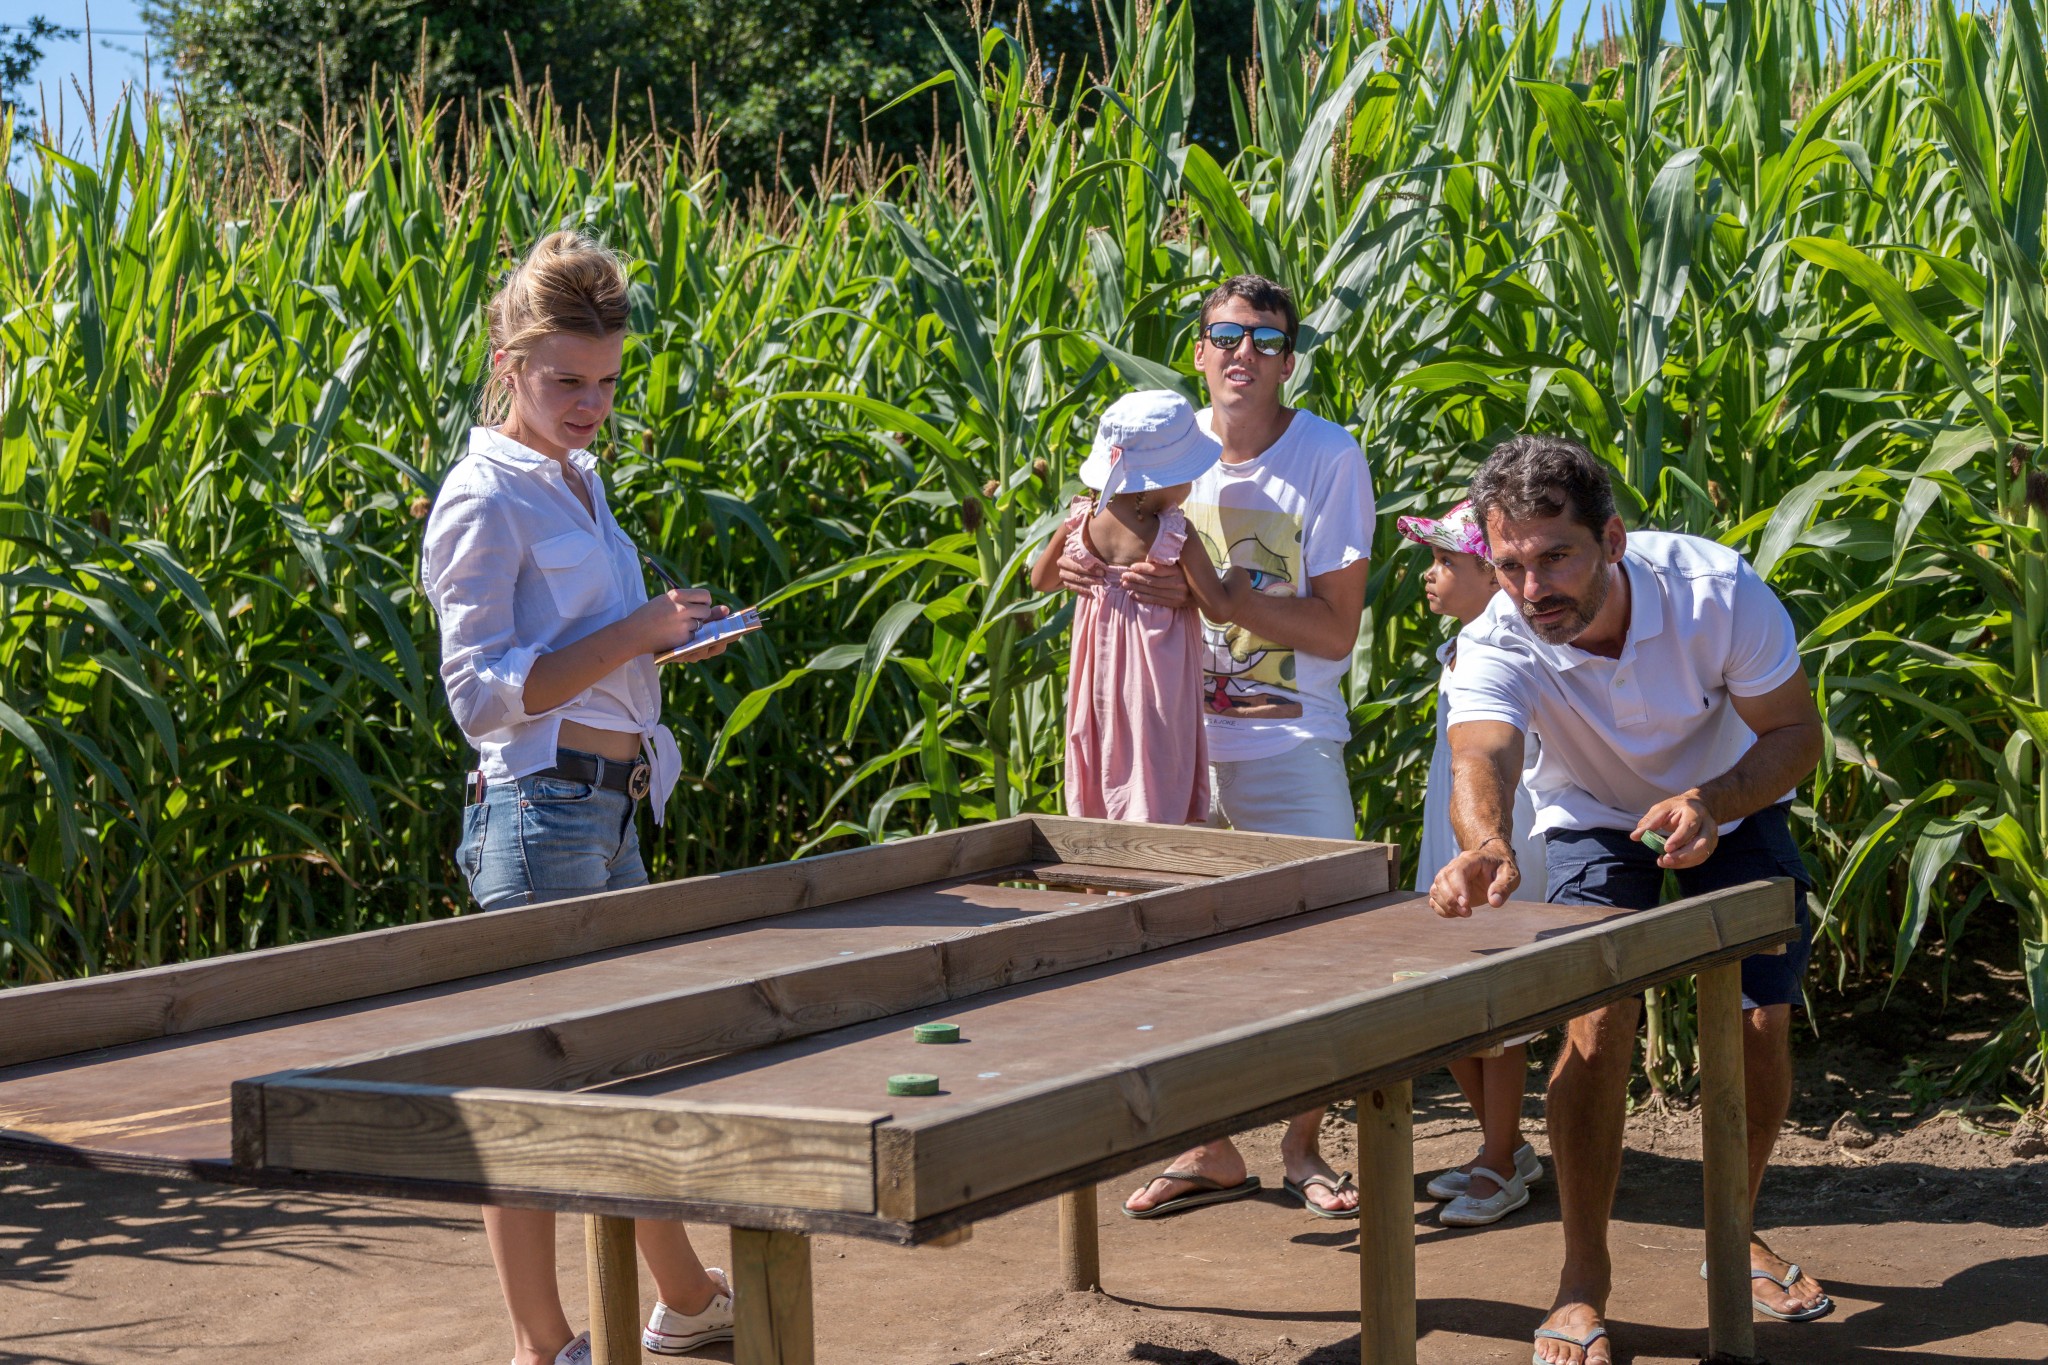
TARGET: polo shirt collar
(1646,600)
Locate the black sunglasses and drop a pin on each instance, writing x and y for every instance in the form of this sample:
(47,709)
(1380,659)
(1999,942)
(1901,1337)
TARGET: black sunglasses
(1226,336)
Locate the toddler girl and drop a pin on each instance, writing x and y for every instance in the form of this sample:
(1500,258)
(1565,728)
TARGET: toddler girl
(1135,746)
(1459,583)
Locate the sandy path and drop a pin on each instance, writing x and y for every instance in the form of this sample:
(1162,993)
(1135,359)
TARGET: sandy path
(1934,1242)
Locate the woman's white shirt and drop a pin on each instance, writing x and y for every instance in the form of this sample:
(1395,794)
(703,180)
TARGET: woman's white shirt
(515,568)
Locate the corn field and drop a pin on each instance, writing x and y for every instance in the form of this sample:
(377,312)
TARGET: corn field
(1786,275)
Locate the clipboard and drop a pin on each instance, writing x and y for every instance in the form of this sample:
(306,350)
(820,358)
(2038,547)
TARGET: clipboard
(731,626)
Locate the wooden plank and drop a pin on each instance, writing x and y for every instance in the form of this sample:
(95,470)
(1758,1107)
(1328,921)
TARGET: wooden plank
(1080,1247)
(962,1155)
(1386,1226)
(610,1042)
(77,1016)
(1173,848)
(1724,1144)
(1108,878)
(614,1282)
(168,1097)
(655,1149)
(771,1298)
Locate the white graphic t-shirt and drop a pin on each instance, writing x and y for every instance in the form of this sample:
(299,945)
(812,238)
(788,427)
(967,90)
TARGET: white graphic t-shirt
(1303,508)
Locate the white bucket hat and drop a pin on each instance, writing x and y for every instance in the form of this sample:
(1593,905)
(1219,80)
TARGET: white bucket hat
(1148,439)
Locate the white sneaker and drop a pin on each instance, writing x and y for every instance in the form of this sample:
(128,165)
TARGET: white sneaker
(670,1333)
(1473,1211)
(576,1352)
(1452,1183)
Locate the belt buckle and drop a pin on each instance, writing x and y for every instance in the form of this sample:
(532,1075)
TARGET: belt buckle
(637,785)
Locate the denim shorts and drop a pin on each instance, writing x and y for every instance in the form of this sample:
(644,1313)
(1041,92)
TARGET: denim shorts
(546,839)
(1606,867)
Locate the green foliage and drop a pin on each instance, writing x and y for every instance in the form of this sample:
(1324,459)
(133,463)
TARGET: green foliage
(1791,292)
(782,82)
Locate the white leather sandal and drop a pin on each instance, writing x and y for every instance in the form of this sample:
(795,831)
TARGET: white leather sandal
(1473,1211)
(1452,1183)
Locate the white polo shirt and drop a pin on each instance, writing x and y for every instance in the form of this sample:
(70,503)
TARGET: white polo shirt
(1620,735)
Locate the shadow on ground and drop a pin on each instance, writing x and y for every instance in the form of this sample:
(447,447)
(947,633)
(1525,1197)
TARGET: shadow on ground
(54,1221)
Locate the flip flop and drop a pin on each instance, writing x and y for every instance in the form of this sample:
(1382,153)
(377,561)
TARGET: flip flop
(1206,1191)
(1808,1314)
(1584,1343)
(1300,1189)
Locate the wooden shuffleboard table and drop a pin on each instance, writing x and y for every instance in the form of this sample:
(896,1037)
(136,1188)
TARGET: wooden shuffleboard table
(717,1049)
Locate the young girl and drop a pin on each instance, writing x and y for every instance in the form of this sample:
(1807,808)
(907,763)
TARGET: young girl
(1135,746)
(1459,583)
(547,645)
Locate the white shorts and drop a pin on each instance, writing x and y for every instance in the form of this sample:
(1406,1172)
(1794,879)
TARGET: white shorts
(1302,791)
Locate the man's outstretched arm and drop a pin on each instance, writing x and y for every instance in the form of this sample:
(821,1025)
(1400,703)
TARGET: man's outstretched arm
(1486,765)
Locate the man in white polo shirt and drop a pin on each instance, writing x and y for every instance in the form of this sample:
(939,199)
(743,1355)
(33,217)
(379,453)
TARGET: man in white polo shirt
(1663,677)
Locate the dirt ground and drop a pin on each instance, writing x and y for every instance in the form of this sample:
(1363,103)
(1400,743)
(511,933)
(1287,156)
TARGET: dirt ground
(1934,1240)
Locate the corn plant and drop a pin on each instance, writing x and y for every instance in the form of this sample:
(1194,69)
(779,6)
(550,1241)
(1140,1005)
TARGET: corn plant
(1786,279)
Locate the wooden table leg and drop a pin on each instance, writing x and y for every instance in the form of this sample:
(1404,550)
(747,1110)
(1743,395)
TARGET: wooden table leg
(771,1281)
(1724,1142)
(1080,1252)
(1386,1226)
(614,1291)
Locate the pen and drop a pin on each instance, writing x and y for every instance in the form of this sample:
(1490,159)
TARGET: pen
(665,575)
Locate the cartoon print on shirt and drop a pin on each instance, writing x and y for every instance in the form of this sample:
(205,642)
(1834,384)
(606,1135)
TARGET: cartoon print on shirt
(1265,545)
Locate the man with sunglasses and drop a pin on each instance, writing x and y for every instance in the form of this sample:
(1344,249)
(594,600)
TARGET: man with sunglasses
(1290,510)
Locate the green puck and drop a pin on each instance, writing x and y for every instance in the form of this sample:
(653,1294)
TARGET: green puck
(936,1033)
(1408,976)
(916,1083)
(1653,840)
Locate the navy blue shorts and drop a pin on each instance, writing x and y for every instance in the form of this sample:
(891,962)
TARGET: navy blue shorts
(1606,867)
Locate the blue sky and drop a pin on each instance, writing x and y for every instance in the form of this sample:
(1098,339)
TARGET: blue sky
(116,55)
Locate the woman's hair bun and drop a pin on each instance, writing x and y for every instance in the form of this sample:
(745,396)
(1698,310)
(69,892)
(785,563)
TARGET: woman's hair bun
(568,282)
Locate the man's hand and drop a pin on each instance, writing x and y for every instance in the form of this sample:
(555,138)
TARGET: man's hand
(1690,831)
(1162,585)
(1484,875)
(1078,575)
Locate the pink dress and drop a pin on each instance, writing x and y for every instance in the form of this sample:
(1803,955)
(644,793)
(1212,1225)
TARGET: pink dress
(1135,745)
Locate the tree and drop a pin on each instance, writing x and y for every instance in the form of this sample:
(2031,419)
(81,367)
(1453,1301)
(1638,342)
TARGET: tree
(769,75)
(21,51)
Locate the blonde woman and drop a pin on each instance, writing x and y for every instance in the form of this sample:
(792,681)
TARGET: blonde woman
(548,640)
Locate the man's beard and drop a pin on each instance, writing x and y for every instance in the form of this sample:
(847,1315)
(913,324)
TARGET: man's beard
(1578,612)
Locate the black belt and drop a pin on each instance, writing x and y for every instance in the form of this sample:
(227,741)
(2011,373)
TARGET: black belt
(630,776)
(571,765)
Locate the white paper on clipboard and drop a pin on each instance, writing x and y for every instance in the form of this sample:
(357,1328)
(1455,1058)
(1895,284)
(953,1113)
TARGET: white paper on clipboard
(729,627)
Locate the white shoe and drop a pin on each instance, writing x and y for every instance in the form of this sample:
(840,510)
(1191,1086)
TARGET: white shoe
(1472,1211)
(670,1333)
(1452,1183)
(577,1352)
